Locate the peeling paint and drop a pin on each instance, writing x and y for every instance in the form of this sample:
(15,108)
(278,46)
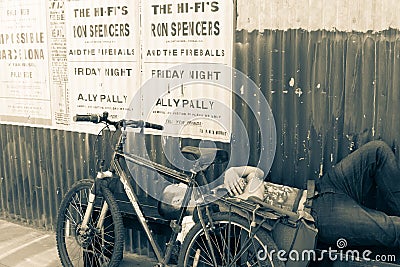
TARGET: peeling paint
(291,82)
(298,92)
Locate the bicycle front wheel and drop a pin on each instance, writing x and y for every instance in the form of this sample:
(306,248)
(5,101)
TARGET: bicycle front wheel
(96,246)
(229,244)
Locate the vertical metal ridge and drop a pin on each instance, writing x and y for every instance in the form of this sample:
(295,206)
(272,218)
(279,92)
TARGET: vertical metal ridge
(23,162)
(41,154)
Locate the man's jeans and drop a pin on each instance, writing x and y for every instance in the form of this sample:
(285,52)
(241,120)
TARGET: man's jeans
(359,199)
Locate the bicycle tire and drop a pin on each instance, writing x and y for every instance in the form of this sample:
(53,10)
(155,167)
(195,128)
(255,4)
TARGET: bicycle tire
(100,247)
(229,231)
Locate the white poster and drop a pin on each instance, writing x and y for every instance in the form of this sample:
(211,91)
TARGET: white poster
(103,56)
(65,57)
(194,35)
(58,63)
(25,95)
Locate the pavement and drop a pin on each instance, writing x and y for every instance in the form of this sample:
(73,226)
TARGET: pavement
(22,246)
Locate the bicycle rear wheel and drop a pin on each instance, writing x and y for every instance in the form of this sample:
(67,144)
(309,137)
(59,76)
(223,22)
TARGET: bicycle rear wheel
(95,247)
(231,245)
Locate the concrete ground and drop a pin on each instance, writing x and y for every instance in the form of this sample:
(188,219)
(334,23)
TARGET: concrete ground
(22,246)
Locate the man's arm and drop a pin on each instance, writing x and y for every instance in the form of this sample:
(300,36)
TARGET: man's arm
(235,181)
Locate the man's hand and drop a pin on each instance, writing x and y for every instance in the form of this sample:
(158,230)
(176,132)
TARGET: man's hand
(235,179)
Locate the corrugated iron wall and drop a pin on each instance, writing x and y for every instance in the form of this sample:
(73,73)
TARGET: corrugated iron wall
(330,92)
(37,166)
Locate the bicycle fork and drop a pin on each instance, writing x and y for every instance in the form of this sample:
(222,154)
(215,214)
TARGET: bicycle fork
(91,201)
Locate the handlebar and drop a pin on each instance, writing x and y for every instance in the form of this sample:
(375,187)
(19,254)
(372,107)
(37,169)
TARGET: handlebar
(150,125)
(96,118)
(91,118)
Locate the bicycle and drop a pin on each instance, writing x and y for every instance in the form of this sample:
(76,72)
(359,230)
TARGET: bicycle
(227,231)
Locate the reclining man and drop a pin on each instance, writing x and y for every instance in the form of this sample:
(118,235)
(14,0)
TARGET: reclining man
(359,199)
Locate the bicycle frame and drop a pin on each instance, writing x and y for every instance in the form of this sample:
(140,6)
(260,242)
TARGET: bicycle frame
(258,219)
(95,223)
(115,166)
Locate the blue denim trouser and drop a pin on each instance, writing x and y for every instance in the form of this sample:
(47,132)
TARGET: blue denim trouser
(359,199)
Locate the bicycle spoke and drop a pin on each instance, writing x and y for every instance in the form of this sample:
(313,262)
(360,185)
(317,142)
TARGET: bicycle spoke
(215,242)
(231,241)
(90,246)
(254,256)
(204,248)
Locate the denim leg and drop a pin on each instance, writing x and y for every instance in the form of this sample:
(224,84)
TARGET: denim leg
(369,170)
(339,216)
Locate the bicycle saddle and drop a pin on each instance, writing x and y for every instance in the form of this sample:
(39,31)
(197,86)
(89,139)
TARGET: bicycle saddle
(206,155)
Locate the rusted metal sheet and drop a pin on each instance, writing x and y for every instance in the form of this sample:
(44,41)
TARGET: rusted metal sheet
(330,92)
